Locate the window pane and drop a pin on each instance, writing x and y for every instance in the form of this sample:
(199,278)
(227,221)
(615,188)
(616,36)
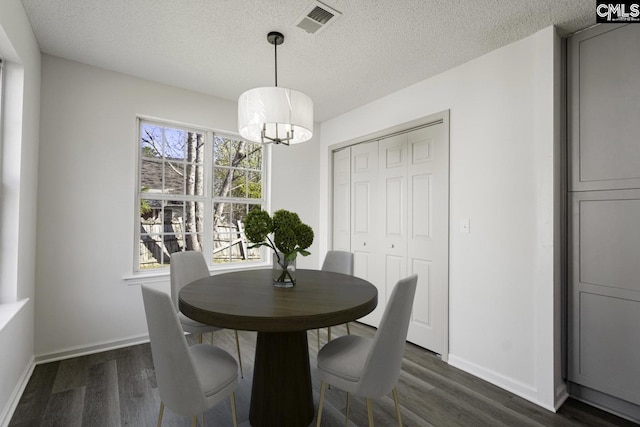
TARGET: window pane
(221,247)
(174,178)
(230,247)
(221,151)
(238,212)
(254,190)
(239,184)
(239,154)
(254,156)
(220,184)
(194,179)
(151,140)
(221,215)
(151,216)
(194,217)
(150,251)
(161,231)
(174,144)
(151,176)
(195,147)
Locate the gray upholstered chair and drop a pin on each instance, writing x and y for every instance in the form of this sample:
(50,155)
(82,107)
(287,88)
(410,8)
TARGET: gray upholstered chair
(190,379)
(185,268)
(370,367)
(337,262)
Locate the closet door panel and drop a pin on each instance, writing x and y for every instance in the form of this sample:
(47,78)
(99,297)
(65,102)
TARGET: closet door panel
(342,200)
(428,235)
(364,222)
(393,226)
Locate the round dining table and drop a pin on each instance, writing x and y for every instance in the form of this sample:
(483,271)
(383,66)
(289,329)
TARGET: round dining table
(281,393)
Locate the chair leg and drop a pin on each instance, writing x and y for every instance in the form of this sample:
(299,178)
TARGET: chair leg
(369,412)
(239,357)
(323,385)
(348,331)
(346,418)
(318,334)
(194,422)
(395,399)
(160,414)
(200,338)
(234,414)
(329,334)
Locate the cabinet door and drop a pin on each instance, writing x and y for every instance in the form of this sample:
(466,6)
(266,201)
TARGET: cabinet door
(342,200)
(604,349)
(604,121)
(364,220)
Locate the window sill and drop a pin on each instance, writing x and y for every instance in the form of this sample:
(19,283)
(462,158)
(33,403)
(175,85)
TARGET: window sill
(9,311)
(144,278)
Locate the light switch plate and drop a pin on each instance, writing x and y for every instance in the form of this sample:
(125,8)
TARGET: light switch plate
(464,225)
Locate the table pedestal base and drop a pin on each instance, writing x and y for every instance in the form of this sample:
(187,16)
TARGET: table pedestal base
(281,394)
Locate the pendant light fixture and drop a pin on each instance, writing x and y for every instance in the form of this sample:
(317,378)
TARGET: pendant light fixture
(275,114)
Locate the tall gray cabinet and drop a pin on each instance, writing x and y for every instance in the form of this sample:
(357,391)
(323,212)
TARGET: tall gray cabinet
(603,67)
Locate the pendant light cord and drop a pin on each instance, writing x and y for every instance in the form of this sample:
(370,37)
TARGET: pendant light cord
(275,47)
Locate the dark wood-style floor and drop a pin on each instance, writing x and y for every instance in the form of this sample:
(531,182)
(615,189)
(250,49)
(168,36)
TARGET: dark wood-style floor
(118,388)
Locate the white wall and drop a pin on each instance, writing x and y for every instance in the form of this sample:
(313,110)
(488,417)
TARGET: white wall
(19,170)
(503,142)
(87,192)
(295,187)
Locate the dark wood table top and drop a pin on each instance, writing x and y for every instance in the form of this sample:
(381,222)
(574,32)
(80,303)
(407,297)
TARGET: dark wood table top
(247,300)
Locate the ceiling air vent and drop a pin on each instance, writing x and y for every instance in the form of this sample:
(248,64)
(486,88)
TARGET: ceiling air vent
(317,17)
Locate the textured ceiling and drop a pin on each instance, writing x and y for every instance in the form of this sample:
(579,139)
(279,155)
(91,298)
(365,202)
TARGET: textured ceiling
(219,47)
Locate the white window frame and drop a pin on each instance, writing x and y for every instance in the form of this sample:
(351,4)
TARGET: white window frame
(207,198)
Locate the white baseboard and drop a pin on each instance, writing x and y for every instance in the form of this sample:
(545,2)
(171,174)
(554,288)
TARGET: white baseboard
(85,350)
(518,388)
(12,404)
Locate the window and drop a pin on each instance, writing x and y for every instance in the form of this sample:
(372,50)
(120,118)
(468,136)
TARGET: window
(195,188)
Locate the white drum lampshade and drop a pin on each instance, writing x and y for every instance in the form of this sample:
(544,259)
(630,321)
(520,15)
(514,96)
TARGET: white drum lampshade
(275,115)
(285,115)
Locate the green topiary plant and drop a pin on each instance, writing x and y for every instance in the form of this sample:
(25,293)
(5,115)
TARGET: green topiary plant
(290,235)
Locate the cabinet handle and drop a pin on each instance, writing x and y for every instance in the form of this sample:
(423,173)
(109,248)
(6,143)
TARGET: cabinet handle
(364,244)
(393,246)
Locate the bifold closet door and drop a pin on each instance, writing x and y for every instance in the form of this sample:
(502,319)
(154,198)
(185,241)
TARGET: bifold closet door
(365,217)
(428,235)
(392,211)
(399,209)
